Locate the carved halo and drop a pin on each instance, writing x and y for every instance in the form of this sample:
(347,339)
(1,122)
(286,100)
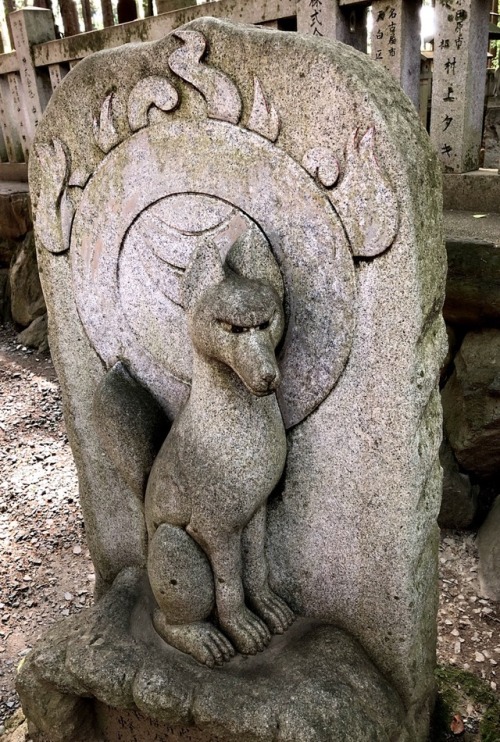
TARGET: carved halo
(242,182)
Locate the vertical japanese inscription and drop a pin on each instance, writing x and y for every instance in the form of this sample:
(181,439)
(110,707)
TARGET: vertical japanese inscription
(386,35)
(450,65)
(395,42)
(316,19)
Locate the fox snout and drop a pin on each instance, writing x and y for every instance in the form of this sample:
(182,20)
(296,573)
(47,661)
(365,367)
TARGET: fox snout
(256,365)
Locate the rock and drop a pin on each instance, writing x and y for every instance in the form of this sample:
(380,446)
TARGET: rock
(345,211)
(471,403)
(131,426)
(15,211)
(459,503)
(488,544)
(473,282)
(35,335)
(27,302)
(16,728)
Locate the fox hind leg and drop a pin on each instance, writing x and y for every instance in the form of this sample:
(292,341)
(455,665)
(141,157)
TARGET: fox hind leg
(182,582)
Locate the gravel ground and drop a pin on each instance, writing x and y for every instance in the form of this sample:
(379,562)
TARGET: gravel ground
(46,569)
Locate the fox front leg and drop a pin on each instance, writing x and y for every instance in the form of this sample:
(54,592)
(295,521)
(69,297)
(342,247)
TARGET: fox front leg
(247,632)
(269,606)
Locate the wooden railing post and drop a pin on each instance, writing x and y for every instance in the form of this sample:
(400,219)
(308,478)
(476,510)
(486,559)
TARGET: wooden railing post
(31,26)
(459,79)
(395,42)
(333,19)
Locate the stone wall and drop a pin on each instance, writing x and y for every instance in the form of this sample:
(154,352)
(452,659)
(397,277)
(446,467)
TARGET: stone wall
(471,377)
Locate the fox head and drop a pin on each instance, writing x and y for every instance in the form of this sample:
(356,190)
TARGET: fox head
(234,319)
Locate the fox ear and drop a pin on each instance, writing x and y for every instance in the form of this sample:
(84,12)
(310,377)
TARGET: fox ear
(250,258)
(203,271)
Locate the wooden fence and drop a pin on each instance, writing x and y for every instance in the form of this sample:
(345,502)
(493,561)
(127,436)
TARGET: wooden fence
(29,74)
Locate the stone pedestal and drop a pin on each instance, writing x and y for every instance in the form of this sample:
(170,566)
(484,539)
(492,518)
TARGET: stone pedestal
(146,690)
(460,47)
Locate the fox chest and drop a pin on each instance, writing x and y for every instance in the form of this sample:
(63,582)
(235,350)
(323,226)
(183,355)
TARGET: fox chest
(235,456)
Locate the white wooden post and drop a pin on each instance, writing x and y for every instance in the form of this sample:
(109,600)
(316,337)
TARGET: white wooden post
(332,20)
(56,73)
(395,42)
(31,26)
(19,113)
(10,120)
(459,79)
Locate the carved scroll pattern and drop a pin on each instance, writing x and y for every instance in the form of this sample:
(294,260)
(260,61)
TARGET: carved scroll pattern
(364,197)
(105,132)
(55,211)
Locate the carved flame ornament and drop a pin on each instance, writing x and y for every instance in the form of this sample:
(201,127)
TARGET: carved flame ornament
(168,208)
(105,133)
(220,93)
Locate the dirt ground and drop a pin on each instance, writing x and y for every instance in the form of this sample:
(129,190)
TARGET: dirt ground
(46,569)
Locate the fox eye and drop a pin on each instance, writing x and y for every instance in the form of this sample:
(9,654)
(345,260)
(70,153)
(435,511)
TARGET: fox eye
(235,329)
(238,329)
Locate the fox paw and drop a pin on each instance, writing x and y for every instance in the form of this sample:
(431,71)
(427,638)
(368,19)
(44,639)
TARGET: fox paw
(248,633)
(273,610)
(201,640)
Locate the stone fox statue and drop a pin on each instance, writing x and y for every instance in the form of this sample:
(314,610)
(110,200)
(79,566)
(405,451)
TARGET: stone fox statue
(206,495)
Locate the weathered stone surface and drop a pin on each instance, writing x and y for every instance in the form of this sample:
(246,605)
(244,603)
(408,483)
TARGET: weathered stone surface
(471,403)
(15,213)
(26,297)
(488,544)
(395,42)
(35,335)
(230,440)
(473,283)
(478,190)
(311,681)
(459,503)
(352,535)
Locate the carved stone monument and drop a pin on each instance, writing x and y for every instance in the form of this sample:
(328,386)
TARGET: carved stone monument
(240,247)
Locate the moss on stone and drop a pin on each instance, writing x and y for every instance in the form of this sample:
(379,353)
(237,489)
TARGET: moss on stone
(456,689)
